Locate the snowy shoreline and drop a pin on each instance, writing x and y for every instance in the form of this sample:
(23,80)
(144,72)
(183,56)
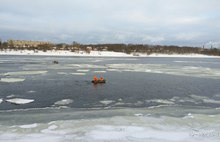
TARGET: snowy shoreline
(97,54)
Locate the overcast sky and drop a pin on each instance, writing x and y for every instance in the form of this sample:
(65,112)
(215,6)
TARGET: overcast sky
(166,22)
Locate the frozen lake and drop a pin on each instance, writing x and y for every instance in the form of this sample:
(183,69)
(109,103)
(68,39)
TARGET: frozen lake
(144,99)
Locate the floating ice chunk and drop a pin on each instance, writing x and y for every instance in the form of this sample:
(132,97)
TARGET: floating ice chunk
(83,70)
(113,70)
(63,107)
(138,114)
(52,127)
(61,73)
(19,101)
(11,80)
(96,61)
(28,126)
(76,73)
(191,71)
(212,115)
(24,73)
(120,99)
(64,102)
(10,96)
(196,97)
(99,71)
(1,100)
(139,103)
(119,103)
(106,102)
(211,101)
(161,101)
(31,91)
(189,115)
(86,66)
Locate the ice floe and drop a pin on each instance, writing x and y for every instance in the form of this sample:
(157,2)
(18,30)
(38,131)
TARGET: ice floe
(11,80)
(31,91)
(160,101)
(24,73)
(85,66)
(28,126)
(196,99)
(19,101)
(64,102)
(192,71)
(10,96)
(82,70)
(99,71)
(211,101)
(188,116)
(138,114)
(106,102)
(136,125)
(78,73)
(62,73)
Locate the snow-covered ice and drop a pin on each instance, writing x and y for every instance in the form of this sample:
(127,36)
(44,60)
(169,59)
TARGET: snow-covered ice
(64,102)
(23,73)
(11,80)
(19,101)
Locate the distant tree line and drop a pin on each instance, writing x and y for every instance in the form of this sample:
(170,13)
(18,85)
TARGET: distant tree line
(126,48)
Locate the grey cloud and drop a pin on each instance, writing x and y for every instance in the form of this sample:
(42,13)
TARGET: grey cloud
(112,21)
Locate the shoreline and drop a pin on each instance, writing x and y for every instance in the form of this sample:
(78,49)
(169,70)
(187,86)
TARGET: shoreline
(96,54)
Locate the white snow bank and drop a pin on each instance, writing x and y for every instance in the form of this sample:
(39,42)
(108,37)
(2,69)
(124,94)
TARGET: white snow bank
(12,80)
(97,54)
(19,101)
(65,53)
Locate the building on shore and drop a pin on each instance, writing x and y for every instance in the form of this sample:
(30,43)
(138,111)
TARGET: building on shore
(26,43)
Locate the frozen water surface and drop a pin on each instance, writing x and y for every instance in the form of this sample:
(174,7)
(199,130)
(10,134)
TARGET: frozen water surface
(144,99)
